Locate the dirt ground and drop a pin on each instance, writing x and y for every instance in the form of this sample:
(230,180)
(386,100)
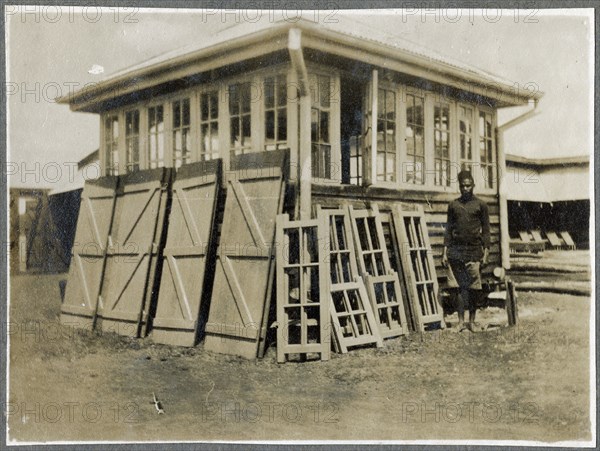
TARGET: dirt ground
(530,382)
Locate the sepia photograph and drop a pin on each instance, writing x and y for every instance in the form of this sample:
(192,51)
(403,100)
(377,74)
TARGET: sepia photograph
(278,225)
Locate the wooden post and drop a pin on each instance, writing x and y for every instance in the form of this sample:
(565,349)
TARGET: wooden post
(372,176)
(504,236)
(304,141)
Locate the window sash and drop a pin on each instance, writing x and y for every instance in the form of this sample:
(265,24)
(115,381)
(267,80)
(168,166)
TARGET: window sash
(275,112)
(132,141)
(182,137)
(155,135)
(415,140)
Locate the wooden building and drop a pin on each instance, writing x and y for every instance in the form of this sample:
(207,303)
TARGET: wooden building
(549,195)
(364,117)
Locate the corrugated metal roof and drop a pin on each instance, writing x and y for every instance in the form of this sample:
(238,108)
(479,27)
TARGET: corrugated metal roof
(344,30)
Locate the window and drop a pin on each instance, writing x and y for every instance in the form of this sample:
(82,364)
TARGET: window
(465,131)
(356,160)
(386,135)
(441,142)
(111,144)
(156,145)
(488,159)
(182,138)
(209,125)
(320,91)
(132,141)
(275,112)
(415,144)
(239,113)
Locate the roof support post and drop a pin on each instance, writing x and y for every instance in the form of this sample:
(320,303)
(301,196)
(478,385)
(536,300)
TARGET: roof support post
(372,157)
(504,236)
(304,142)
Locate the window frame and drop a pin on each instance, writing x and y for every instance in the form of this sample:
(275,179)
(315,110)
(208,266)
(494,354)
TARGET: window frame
(335,156)
(480,184)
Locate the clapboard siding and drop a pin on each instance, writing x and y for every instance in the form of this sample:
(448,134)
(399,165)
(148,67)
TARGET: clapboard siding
(435,206)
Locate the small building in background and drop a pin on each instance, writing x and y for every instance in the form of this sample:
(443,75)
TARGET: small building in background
(43,221)
(549,195)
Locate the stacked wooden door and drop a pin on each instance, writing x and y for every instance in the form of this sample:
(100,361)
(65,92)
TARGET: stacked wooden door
(244,269)
(129,283)
(189,237)
(89,252)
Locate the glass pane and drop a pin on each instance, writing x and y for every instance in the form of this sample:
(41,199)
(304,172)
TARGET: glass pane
(269,92)
(235,132)
(246,133)
(177,141)
(381,104)
(293,251)
(214,104)
(324,91)
(234,100)
(204,107)
(204,143)
(245,97)
(270,125)
(214,138)
(281,90)
(176,114)
(324,127)
(390,106)
(282,124)
(314,124)
(185,121)
(419,142)
(391,166)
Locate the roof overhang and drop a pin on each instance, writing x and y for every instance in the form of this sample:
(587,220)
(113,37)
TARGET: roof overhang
(275,38)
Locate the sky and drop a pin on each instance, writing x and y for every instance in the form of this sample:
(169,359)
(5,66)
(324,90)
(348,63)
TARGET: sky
(51,49)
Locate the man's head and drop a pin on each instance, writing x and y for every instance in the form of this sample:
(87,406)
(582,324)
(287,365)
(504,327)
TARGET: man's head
(466,184)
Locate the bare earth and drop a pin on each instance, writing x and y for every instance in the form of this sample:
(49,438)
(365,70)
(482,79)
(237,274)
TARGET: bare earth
(530,382)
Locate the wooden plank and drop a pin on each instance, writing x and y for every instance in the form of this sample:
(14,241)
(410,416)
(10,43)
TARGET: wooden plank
(303,321)
(189,239)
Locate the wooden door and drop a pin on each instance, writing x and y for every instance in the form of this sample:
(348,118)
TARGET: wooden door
(129,284)
(191,232)
(88,252)
(244,264)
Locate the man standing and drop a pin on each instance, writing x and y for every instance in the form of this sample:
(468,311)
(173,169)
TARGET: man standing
(466,247)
